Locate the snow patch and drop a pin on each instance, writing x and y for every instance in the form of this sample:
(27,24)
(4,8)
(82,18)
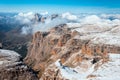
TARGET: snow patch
(7,56)
(109,70)
(72,73)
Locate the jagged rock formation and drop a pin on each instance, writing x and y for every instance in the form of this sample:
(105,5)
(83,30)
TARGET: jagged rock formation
(12,68)
(63,52)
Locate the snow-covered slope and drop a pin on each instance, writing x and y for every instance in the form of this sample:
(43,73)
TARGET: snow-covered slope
(74,73)
(8,57)
(12,68)
(107,71)
(108,35)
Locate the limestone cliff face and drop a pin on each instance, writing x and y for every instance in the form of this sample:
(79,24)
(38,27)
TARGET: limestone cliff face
(63,44)
(44,45)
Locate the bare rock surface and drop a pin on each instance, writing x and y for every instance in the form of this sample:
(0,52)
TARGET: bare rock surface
(66,52)
(12,67)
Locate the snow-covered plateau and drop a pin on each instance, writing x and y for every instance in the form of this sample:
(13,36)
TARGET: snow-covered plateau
(107,71)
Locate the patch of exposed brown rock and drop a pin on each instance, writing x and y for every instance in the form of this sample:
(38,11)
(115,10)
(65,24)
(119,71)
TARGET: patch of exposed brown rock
(59,43)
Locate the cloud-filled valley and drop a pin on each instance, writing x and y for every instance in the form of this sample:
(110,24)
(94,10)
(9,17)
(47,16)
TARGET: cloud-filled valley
(30,22)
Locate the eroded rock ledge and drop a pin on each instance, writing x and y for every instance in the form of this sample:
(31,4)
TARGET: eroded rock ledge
(12,67)
(72,48)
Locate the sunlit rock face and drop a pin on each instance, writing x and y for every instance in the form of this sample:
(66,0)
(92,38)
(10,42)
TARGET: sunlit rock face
(12,68)
(66,52)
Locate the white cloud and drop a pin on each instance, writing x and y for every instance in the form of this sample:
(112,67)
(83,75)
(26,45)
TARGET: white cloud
(113,16)
(69,16)
(48,24)
(34,27)
(26,30)
(100,21)
(92,19)
(25,17)
(44,13)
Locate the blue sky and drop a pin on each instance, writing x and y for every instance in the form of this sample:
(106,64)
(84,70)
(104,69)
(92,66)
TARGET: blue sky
(58,5)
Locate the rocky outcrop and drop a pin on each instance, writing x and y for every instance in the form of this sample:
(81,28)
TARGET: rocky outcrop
(43,46)
(17,72)
(75,51)
(12,68)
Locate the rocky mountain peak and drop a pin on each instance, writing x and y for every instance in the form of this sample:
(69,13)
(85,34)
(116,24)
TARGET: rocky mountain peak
(74,54)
